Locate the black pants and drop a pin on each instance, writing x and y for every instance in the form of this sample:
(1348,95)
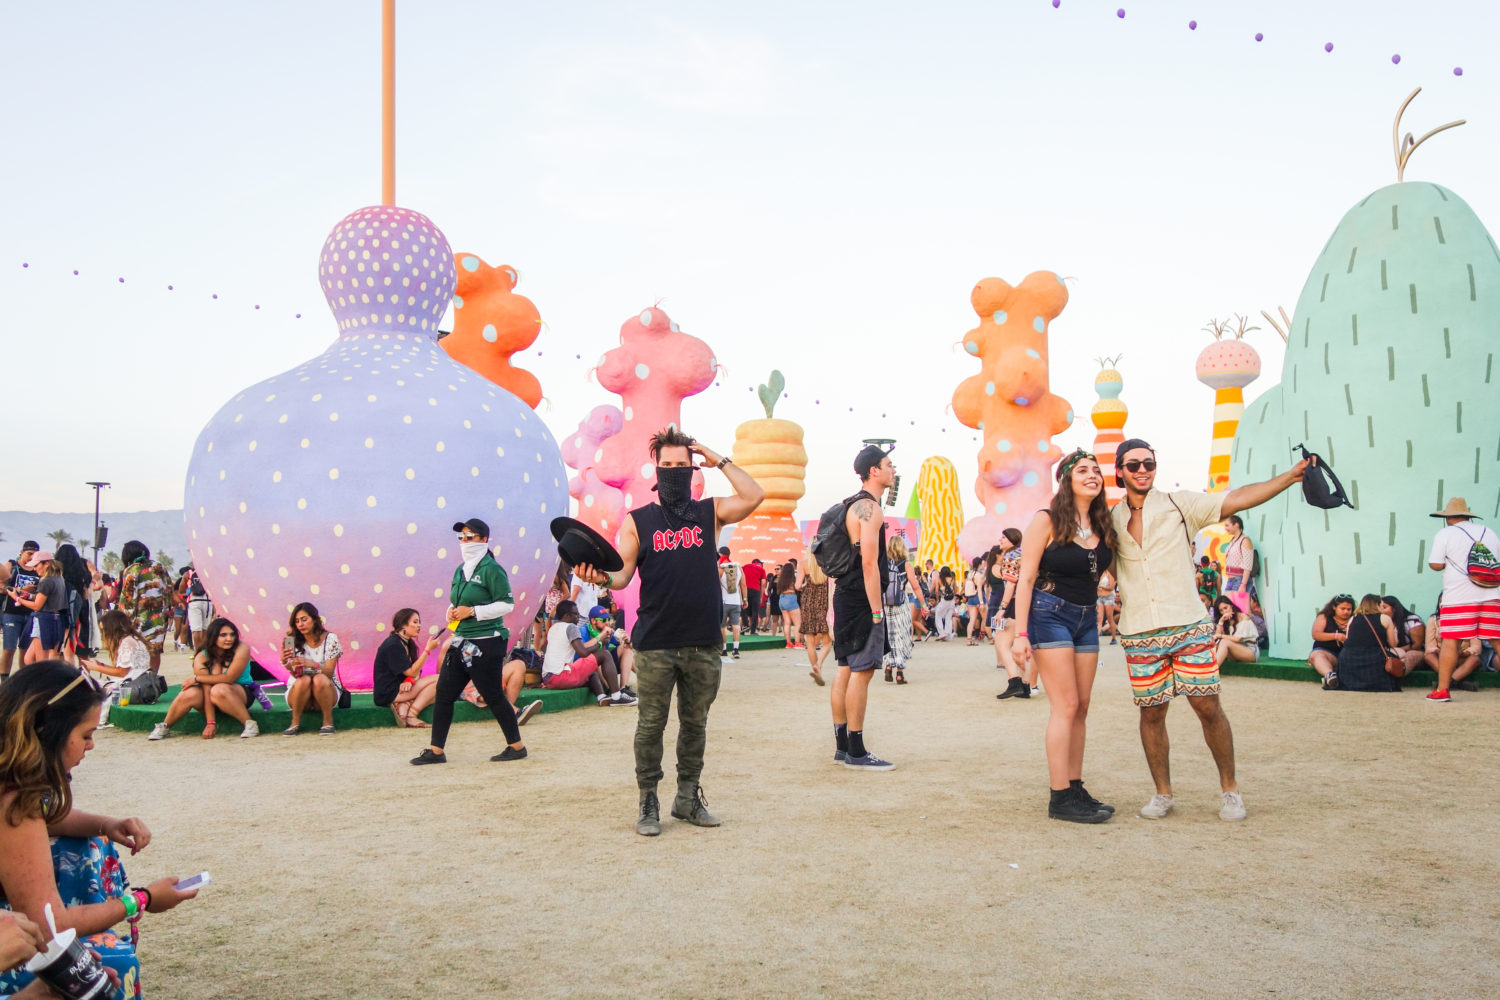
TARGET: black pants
(752,609)
(484,670)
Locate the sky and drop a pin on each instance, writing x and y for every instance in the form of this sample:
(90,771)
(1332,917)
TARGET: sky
(814,188)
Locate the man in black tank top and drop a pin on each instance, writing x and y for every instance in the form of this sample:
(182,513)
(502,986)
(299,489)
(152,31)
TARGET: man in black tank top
(673,543)
(859,639)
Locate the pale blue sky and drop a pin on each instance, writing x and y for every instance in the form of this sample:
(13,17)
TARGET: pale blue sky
(814,187)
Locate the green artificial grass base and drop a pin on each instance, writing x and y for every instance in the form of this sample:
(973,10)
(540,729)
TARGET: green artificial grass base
(1272,668)
(362,714)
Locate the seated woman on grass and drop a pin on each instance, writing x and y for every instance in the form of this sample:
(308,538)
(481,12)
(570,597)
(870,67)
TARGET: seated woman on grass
(220,683)
(1329,630)
(51,853)
(311,655)
(1235,635)
(398,682)
(1364,661)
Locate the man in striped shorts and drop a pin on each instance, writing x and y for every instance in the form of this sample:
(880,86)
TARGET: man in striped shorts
(1167,636)
(1469,609)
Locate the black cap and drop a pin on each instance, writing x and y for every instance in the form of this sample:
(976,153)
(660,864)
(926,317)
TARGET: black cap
(868,458)
(1130,445)
(475,525)
(30,546)
(578,543)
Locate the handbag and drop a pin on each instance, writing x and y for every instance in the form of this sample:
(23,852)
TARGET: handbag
(143,689)
(1395,667)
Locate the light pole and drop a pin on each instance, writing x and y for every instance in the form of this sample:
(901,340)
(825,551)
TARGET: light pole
(97,487)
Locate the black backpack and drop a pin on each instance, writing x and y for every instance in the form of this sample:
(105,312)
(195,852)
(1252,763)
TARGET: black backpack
(831,546)
(1320,487)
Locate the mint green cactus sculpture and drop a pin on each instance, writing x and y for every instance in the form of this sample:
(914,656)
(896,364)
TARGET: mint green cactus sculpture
(1390,375)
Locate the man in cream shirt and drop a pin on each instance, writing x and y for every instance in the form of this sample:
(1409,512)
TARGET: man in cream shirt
(1167,636)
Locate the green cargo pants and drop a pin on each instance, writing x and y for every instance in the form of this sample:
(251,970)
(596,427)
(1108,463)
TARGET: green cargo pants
(694,670)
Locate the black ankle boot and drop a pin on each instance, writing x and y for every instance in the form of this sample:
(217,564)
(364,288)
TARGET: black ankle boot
(1013,689)
(1068,805)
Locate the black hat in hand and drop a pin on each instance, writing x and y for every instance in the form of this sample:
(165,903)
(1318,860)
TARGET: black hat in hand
(578,543)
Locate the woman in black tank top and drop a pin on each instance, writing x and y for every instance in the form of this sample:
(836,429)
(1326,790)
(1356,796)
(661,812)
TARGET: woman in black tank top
(1063,553)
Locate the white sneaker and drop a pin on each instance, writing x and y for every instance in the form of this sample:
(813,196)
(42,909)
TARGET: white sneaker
(252,728)
(1158,807)
(1233,808)
(159,732)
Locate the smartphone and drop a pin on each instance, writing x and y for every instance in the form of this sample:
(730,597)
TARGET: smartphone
(192,882)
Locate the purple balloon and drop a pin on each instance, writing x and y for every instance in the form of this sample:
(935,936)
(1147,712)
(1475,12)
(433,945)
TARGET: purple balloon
(1056,4)
(1396,59)
(1192,25)
(24,264)
(75,272)
(1458,71)
(1327,46)
(1259,36)
(122,281)
(1120,12)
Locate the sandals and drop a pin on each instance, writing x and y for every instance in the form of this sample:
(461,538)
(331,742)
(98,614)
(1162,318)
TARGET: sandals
(900,677)
(817,676)
(210,728)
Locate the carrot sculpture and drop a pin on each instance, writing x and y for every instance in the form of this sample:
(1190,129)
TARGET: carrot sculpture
(1227,366)
(771,451)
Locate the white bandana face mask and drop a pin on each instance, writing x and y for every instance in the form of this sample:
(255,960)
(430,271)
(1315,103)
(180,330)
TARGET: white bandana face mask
(472,553)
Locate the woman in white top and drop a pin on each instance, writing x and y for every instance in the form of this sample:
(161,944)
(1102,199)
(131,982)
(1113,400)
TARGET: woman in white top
(127,651)
(311,653)
(1235,635)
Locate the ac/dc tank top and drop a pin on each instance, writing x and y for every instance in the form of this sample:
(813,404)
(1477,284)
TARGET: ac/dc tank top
(678,563)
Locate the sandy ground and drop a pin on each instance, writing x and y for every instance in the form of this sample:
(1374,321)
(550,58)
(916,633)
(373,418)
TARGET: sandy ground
(1367,867)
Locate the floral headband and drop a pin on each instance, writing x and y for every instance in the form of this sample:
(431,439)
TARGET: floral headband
(1072,460)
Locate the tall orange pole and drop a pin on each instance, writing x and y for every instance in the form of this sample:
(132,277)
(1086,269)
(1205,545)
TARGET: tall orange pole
(388,102)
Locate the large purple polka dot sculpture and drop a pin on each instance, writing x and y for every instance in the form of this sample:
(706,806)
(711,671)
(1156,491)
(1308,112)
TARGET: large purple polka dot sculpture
(339,481)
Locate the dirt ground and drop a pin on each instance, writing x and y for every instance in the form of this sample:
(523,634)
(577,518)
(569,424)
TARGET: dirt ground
(1367,868)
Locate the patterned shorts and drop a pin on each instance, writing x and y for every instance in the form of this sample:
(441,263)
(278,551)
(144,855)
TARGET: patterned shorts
(1166,662)
(1470,621)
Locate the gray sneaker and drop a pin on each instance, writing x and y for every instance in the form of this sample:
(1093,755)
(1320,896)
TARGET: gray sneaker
(1233,807)
(649,822)
(839,756)
(869,762)
(690,806)
(1158,807)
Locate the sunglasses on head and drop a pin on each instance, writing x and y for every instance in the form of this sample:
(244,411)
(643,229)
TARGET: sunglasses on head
(84,677)
(1137,464)
(1342,599)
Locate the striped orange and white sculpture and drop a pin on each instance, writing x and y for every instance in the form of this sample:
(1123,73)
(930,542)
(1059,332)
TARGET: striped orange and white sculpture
(1109,416)
(1227,366)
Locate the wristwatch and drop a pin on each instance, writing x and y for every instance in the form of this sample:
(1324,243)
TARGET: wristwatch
(723,462)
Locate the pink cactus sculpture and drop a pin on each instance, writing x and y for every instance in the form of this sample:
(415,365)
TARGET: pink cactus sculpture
(1009,401)
(600,505)
(655,367)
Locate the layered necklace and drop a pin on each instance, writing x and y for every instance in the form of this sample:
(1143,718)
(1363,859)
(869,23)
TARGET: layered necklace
(1085,531)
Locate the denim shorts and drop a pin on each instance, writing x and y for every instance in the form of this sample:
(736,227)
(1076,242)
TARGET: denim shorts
(787,602)
(1059,624)
(14,625)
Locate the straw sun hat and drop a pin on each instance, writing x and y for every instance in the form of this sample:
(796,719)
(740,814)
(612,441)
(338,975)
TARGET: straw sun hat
(1457,507)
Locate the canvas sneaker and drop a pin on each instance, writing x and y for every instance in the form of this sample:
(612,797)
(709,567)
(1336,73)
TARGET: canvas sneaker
(839,756)
(527,711)
(1158,807)
(1436,697)
(621,698)
(252,728)
(1233,807)
(159,732)
(869,762)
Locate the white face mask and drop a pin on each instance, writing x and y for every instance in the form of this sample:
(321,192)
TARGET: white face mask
(473,551)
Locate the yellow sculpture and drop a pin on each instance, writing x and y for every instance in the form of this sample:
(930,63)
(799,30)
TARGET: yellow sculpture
(942,514)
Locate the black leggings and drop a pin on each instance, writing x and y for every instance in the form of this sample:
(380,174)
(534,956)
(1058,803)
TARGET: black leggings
(484,670)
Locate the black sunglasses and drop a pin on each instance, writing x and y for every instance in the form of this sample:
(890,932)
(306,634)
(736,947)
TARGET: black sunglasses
(1137,464)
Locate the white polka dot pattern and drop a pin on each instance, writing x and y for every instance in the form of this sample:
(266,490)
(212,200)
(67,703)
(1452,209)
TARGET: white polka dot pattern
(366,455)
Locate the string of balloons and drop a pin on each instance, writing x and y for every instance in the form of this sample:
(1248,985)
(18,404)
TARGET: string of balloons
(1260,36)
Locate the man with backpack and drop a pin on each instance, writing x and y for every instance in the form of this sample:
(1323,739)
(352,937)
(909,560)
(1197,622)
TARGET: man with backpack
(732,593)
(1167,637)
(1465,552)
(851,548)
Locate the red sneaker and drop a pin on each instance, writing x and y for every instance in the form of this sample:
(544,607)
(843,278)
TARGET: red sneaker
(1439,696)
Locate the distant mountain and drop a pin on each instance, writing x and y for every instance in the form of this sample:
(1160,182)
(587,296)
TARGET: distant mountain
(161,530)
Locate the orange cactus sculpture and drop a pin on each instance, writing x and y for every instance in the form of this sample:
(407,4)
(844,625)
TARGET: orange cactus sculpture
(771,452)
(1009,401)
(490,323)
